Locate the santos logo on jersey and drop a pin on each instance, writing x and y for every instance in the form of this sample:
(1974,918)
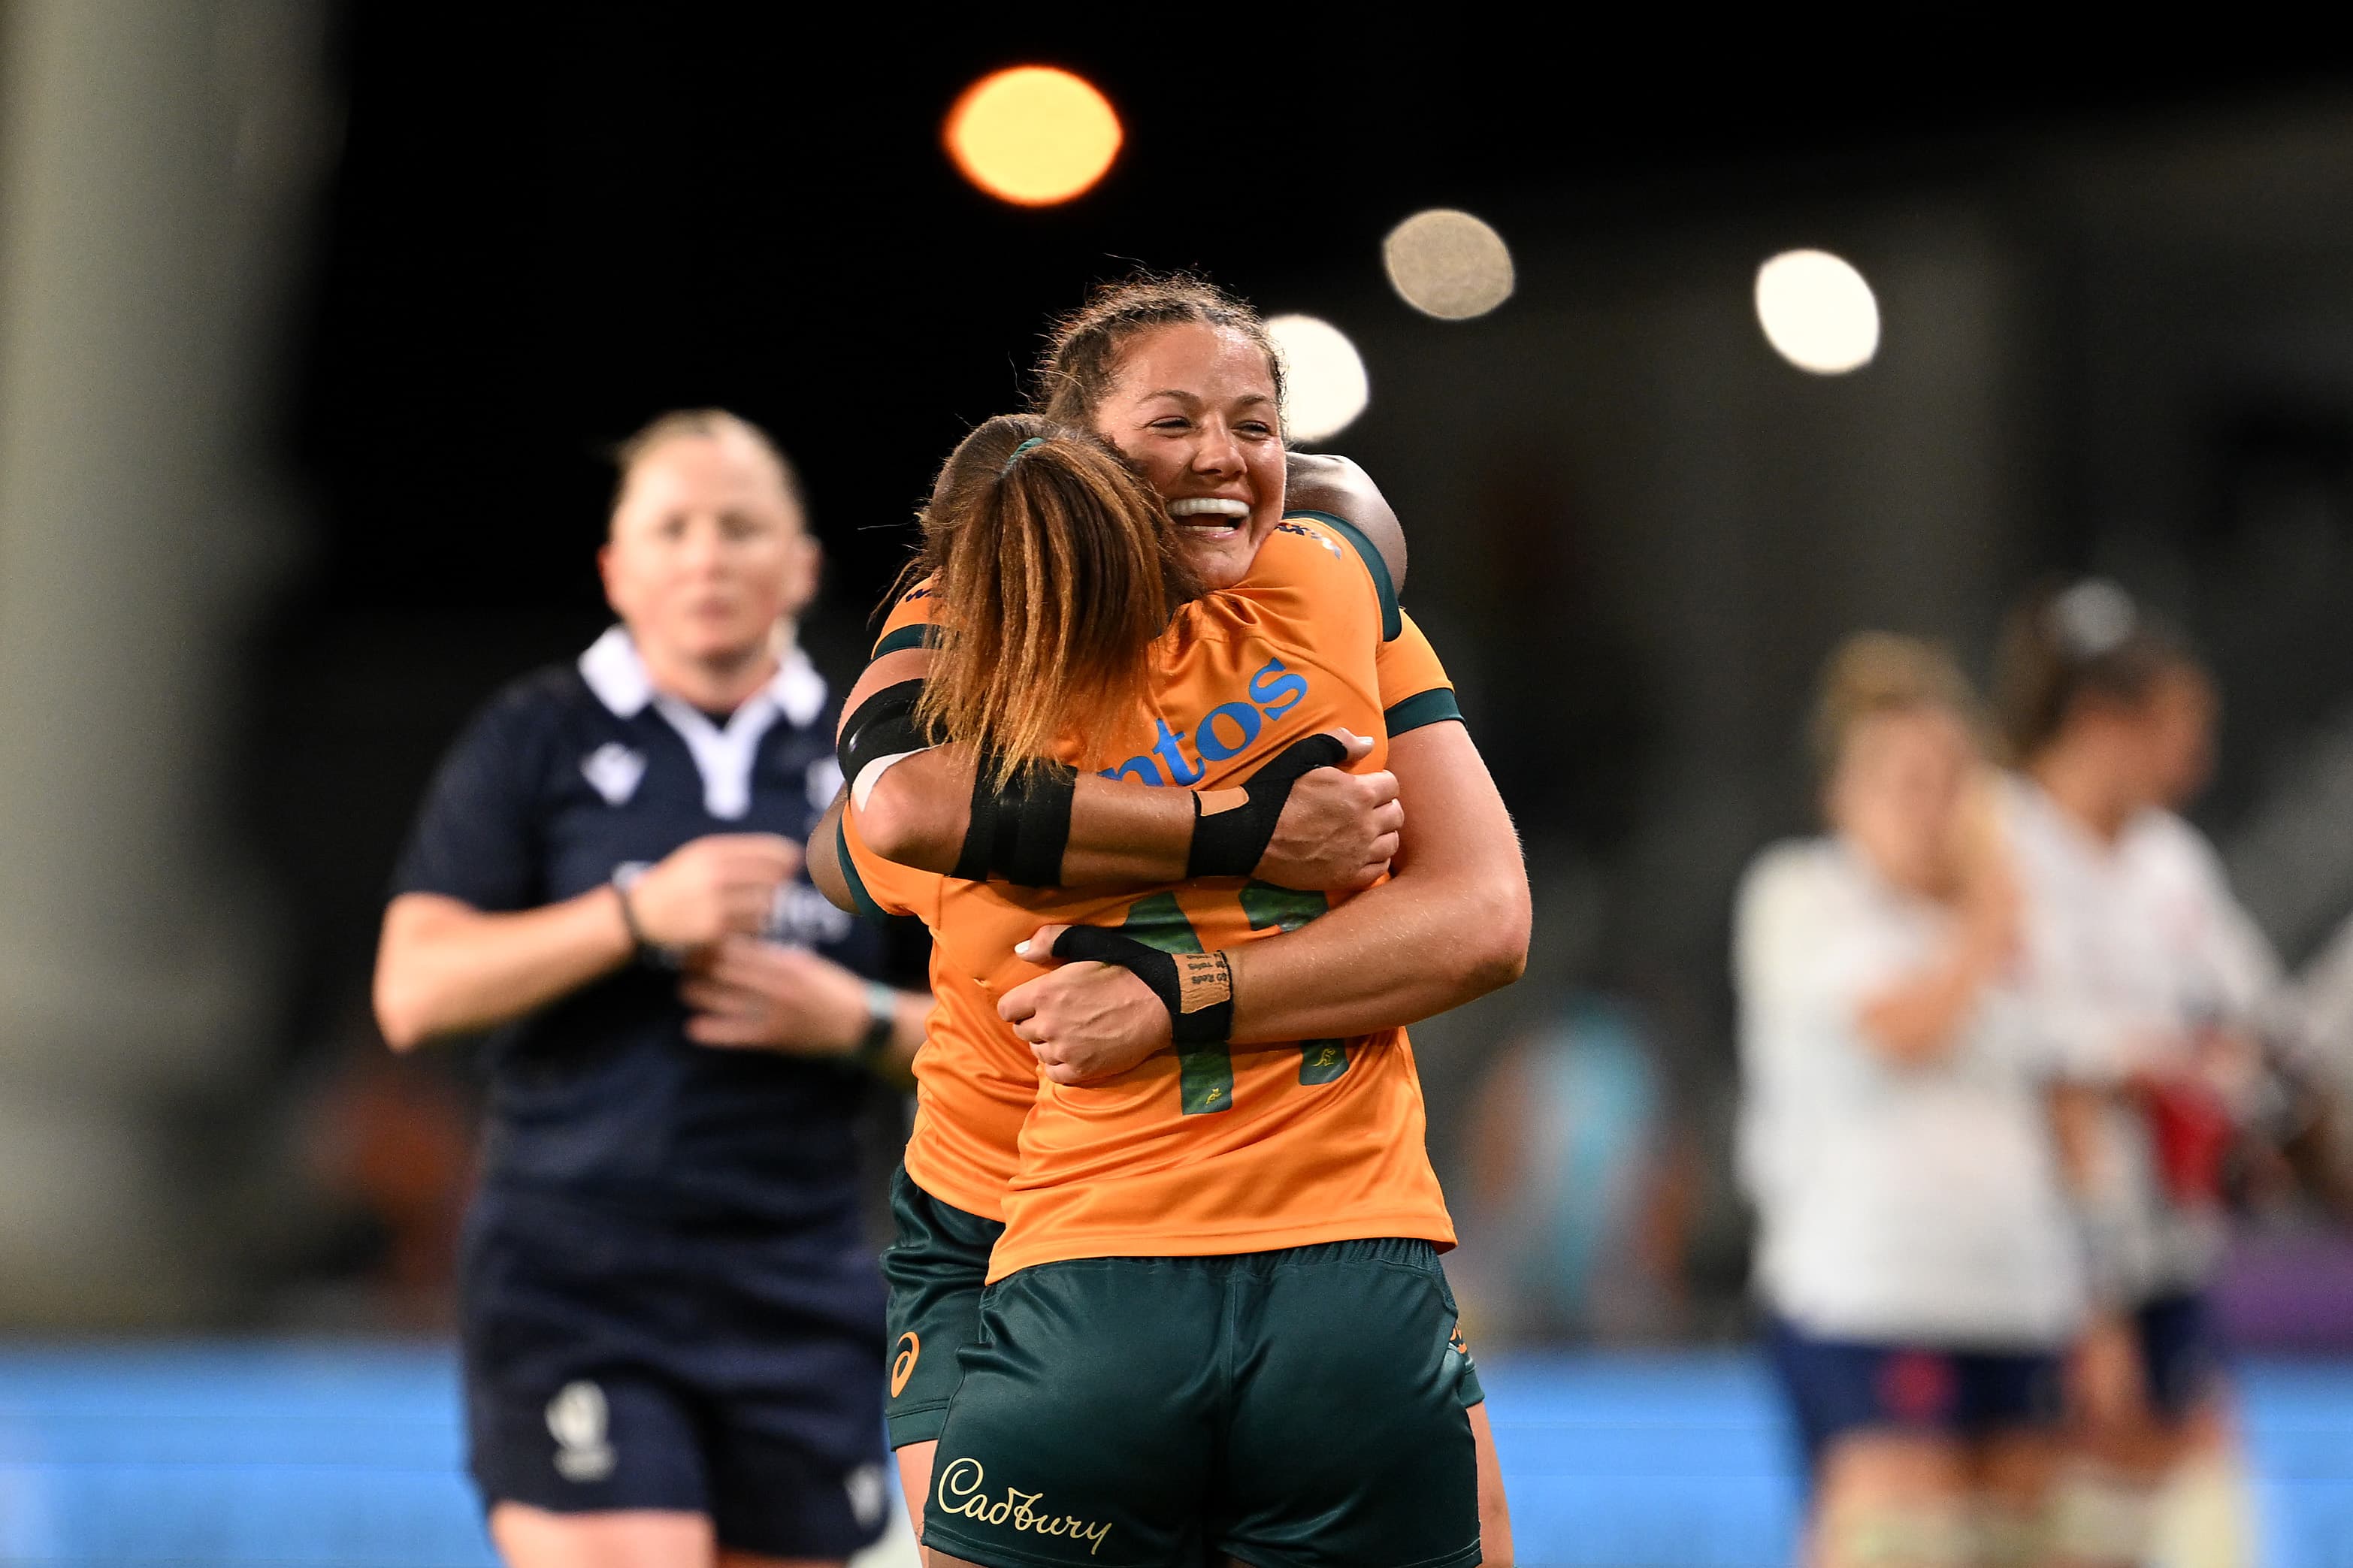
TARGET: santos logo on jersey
(1226,730)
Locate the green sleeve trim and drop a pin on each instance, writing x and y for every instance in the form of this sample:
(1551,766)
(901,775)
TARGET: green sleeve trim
(1392,619)
(917,636)
(1434,706)
(866,908)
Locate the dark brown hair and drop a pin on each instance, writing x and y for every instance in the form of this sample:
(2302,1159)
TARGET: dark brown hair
(1873,673)
(705,422)
(1082,348)
(1057,573)
(2071,644)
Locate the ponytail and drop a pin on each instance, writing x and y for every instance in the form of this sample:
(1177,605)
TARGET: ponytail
(2066,647)
(1057,573)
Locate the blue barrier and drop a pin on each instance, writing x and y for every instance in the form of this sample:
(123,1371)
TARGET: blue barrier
(327,1455)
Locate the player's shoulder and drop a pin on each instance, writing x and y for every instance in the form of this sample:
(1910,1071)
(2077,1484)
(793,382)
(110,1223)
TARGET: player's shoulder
(1795,874)
(2039,837)
(2167,845)
(1317,547)
(913,610)
(545,700)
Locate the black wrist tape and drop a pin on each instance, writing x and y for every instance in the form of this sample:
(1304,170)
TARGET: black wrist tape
(1020,832)
(883,726)
(1198,988)
(1232,827)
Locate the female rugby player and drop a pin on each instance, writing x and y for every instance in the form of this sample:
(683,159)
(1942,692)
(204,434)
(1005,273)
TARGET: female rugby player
(2152,981)
(1915,1244)
(1181,380)
(670,1320)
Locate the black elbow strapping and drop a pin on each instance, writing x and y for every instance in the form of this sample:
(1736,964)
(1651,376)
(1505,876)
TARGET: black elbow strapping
(1019,832)
(883,726)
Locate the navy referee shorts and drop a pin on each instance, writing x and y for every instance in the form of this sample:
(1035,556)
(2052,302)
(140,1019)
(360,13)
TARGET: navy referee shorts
(613,1362)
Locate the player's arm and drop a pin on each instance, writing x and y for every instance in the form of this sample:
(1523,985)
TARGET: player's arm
(445,967)
(1451,925)
(827,855)
(1302,825)
(1329,483)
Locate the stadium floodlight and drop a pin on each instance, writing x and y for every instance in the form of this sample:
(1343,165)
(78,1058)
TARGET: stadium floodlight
(1448,264)
(1324,387)
(1033,135)
(1817,311)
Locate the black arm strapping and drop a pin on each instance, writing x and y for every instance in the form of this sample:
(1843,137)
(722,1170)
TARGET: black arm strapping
(1231,842)
(883,726)
(1018,833)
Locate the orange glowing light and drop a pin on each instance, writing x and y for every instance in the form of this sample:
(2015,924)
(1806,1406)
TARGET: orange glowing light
(1033,135)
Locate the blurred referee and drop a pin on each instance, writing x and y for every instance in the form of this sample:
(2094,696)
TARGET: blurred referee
(672,1325)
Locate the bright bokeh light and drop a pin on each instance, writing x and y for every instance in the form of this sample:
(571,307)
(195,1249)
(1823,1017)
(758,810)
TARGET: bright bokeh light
(1817,311)
(1033,135)
(1324,377)
(1448,264)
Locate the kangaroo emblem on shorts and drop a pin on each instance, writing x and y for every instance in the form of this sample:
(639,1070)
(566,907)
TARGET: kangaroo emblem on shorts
(577,1419)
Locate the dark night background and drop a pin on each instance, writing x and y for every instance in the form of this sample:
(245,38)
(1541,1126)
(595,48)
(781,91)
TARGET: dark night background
(471,251)
(317,321)
(539,234)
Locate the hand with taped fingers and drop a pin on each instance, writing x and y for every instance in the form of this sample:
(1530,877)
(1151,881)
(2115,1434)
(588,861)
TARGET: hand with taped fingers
(713,888)
(761,996)
(1093,1016)
(1337,831)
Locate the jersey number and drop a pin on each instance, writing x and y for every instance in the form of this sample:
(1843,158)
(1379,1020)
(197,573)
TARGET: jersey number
(1204,1079)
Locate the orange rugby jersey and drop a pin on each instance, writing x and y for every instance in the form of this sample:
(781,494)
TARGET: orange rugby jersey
(1208,1151)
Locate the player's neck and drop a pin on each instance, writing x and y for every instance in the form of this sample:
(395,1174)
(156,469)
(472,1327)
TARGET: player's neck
(2080,785)
(719,683)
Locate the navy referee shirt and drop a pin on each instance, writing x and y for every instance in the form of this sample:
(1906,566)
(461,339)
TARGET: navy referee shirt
(565,776)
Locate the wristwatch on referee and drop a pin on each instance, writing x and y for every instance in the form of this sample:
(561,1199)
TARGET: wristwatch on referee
(624,879)
(882,1023)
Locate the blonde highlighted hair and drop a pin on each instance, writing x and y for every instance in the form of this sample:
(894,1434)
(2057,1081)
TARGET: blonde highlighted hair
(1057,573)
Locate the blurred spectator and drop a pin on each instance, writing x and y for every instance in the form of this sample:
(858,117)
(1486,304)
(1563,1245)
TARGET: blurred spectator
(1582,1182)
(1914,1243)
(2151,983)
(390,1140)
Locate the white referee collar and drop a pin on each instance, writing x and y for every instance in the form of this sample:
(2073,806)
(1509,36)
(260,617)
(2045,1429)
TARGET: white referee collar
(616,673)
(724,756)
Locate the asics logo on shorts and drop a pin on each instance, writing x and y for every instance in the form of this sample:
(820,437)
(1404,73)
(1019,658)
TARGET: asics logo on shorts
(577,1419)
(910,1350)
(963,1491)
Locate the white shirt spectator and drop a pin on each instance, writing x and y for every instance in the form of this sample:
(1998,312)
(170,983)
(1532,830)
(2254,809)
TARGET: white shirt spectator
(2128,948)
(1912,1204)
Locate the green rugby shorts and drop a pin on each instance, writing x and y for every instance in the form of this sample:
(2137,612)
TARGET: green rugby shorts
(934,1265)
(1297,1407)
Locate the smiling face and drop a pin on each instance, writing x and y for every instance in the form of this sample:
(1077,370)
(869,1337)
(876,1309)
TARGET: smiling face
(707,553)
(1194,407)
